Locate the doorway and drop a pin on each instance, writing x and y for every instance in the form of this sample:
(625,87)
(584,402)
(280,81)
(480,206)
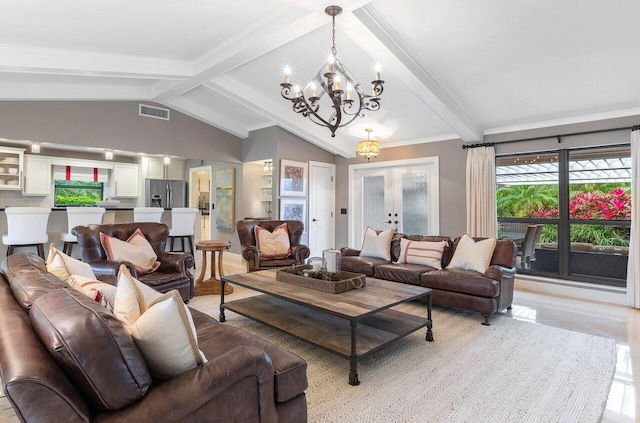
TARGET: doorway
(200,198)
(402,194)
(321,207)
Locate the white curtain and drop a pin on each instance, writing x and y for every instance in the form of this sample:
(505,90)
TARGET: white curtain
(633,269)
(481,192)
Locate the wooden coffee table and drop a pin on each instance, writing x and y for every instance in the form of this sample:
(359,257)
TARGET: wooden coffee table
(352,324)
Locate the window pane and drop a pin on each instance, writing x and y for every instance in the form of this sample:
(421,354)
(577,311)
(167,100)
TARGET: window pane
(373,202)
(600,251)
(527,186)
(415,219)
(600,184)
(77,193)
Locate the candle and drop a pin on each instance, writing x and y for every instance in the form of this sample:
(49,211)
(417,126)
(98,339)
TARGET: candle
(313,90)
(337,85)
(315,266)
(287,74)
(331,261)
(377,75)
(349,88)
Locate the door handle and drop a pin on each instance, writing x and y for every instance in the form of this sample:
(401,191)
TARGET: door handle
(388,222)
(314,220)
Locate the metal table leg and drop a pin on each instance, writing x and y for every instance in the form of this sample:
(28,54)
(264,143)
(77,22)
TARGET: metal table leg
(353,359)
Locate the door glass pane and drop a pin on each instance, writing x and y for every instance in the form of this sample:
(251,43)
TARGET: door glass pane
(415,218)
(373,203)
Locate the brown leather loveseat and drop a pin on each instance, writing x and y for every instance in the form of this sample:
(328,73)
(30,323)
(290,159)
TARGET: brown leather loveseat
(485,292)
(65,358)
(173,272)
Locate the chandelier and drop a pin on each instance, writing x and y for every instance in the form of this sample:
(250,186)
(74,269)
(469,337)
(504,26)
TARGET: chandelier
(332,79)
(369,149)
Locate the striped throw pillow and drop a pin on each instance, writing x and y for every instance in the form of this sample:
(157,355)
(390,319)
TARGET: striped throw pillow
(422,252)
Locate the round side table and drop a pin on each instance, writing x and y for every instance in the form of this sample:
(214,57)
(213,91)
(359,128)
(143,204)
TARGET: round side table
(211,286)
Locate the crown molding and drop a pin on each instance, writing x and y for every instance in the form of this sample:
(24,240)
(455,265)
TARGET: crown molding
(565,121)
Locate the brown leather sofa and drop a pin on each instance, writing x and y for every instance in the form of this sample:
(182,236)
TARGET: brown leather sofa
(484,293)
(246,233)
(65,358)
(173,272)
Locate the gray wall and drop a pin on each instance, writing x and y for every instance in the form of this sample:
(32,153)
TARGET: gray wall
(116,125)
(452,164)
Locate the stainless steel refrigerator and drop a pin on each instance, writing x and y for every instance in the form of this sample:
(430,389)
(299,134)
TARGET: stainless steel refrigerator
(165,193)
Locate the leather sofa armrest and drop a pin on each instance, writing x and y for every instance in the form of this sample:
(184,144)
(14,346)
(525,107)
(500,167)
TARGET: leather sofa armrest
(300,252)
(346,251)
(174,262)
(506,277)
(106,267)
(199,386)
(252,256)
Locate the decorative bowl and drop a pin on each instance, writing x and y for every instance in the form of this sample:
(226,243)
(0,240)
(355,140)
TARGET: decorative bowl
(108,204)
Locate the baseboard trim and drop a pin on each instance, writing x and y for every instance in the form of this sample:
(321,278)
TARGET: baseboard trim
(578,290)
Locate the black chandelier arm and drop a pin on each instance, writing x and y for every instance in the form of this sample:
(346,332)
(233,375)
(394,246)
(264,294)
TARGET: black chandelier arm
(378,87)
(372,104)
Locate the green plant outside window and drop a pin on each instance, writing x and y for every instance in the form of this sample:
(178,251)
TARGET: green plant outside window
(77,193)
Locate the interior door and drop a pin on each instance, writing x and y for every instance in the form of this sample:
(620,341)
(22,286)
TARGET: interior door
(373,190)
(321,226)
(199,197)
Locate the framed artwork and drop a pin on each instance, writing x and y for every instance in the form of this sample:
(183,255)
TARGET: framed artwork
(293,178)
(294,209)
(225,199)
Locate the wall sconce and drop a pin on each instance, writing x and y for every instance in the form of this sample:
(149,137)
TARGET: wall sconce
(108,155)
(35,148)
(167,160)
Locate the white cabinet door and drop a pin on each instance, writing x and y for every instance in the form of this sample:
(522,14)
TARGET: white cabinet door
(152,168)
(125,180)
(176,170)
(37,176)
(11,164)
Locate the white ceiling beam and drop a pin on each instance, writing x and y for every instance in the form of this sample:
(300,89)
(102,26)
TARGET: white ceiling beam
(207,115)
(282,115)
(67,62)
(369,30)
(274,32)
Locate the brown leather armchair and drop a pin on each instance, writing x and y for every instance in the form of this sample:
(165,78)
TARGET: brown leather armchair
(246,233)
(173,272)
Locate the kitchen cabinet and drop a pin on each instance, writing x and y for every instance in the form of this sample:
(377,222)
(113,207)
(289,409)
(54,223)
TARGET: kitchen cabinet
(37,175)
(11,168)
(124,180)
(154,168)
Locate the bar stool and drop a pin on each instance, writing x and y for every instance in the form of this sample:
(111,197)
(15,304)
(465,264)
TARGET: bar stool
(26,227)
(79,216)
(183,221)
(147,214)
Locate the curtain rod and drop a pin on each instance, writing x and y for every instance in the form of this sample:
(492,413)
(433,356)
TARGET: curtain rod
(558,137)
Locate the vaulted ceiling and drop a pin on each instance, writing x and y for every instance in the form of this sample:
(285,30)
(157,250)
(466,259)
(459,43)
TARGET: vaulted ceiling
(452,68)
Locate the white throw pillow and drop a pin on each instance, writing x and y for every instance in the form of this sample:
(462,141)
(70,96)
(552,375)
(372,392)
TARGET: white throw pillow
(63,266)
(99,291)
(136,250)
(274,244)
(160,324)
(471,255)
(377,245)
(426,253)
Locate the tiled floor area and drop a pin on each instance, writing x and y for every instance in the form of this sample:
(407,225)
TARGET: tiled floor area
(619,323)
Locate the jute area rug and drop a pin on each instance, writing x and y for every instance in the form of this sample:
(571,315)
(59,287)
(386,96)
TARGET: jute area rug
(511,371)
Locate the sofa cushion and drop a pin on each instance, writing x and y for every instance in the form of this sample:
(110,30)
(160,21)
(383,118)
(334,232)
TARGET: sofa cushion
(160,324)
(20,261)
(63,266)
(273,245)
(406,273)
(464,281)
(101,292)
(290,371)
(92,347)
(160,279)
(472,255)
(377,245)
(30,284)
(278,262)
(360,264)
(135,250)
(425,253)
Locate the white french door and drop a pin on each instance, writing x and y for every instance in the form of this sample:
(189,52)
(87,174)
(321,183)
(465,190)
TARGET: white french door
(402,195)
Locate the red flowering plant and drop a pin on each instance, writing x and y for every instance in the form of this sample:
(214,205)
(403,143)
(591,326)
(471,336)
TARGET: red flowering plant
(615,205)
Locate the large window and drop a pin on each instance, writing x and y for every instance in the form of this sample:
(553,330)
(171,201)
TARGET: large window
(569,211)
